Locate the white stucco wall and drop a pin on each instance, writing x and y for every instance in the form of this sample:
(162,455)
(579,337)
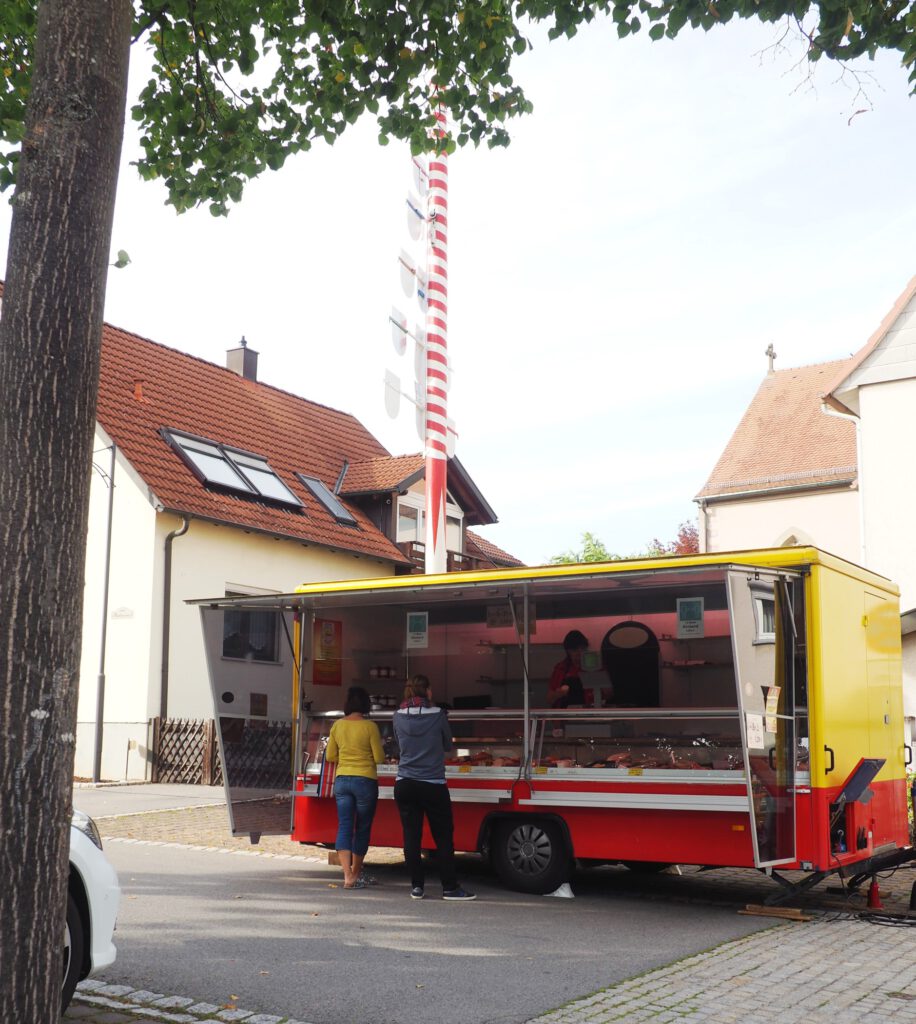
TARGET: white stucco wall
(889,481)
(909,689)
(893,359)
(130,605)
(209,560)
(888,419)
(827,519)
(206,561)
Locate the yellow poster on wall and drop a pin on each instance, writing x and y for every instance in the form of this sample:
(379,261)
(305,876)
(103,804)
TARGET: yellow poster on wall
(327,646)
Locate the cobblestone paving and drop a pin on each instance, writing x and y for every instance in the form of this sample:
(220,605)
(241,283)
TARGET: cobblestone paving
(845,966)
(831,969)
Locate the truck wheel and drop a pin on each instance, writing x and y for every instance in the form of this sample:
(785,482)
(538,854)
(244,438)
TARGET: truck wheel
(531,855)
(74,946)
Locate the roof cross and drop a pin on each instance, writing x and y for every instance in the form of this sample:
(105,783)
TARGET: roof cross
(771,356)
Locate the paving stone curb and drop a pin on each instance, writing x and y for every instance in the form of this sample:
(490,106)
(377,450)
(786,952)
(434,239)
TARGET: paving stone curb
(96,1001)
(84,784)
(158,810)
(301,858)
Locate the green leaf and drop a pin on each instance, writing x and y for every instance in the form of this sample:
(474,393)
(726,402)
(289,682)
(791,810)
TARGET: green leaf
(315,67)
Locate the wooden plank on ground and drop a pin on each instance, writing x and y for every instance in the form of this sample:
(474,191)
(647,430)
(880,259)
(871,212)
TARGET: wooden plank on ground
(787,913)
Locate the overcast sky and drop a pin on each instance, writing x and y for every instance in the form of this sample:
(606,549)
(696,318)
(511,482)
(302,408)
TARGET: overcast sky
(667,211)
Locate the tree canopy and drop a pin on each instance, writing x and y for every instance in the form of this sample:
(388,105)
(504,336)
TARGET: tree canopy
(593,550)
(687,542)
(237,86)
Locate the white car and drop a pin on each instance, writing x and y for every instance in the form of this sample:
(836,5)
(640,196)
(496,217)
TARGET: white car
(92,906)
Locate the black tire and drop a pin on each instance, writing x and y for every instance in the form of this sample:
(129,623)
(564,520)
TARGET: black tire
(74,950)
(646,867)
(531,855)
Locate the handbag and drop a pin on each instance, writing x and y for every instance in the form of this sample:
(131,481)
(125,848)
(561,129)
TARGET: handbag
(326,777)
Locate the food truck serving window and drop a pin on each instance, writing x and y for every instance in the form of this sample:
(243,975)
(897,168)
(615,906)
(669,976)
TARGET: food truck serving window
(687,668)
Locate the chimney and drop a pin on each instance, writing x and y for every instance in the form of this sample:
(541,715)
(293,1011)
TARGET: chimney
(243,360)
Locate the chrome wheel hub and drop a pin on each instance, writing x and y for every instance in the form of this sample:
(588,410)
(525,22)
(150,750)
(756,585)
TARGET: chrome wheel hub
(529,849)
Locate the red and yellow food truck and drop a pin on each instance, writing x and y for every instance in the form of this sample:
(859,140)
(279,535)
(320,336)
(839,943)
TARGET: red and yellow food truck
(739,709)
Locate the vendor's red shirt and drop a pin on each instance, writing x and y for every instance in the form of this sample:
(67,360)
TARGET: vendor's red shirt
(563,670)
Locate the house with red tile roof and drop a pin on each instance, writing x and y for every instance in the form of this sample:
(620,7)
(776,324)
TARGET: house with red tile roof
(819,457)
(207,481)
(788,474)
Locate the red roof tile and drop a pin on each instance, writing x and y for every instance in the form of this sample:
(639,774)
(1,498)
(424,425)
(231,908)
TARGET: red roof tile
(398,472)
(475,544)
(785,439)
(145,386)
(388,473)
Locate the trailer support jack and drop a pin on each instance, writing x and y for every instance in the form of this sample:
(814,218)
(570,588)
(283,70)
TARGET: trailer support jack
(791,889)
(867,869)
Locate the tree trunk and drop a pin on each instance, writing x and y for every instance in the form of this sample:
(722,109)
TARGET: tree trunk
(50,338)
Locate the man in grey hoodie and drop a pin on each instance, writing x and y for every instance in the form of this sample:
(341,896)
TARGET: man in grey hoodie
(420,789)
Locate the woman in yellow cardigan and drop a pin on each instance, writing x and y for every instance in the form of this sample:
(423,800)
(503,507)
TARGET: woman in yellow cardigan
(355,744)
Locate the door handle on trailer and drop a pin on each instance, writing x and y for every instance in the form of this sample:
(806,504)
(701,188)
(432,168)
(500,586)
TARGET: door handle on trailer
(771,758)
(909,754)
(829,750)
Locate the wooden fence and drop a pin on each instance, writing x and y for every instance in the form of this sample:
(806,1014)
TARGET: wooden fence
(258,753)
(185,751)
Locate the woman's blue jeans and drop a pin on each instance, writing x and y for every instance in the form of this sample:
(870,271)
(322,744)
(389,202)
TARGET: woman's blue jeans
(356,798)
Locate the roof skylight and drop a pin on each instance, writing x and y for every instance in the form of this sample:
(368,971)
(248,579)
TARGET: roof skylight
(330,500)
(230,468)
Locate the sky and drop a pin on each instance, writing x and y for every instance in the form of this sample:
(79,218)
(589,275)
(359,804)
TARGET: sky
(615,276)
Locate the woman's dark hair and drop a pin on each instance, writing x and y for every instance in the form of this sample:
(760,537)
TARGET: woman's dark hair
(357,701)
(417,686)
(575,641)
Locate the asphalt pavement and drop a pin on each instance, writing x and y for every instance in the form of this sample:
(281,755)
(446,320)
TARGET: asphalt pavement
(134,798)
(265,935)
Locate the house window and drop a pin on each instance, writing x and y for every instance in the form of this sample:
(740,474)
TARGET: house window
(218,465)
(410,523)
(453,534)
(250,635)
(764,615)
(330,500)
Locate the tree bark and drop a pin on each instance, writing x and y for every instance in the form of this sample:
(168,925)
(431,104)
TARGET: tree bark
(50,339)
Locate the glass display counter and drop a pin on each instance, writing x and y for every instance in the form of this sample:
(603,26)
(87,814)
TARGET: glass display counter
(707,739)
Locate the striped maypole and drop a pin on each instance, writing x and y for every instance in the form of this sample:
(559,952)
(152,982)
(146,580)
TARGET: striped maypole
(437,358)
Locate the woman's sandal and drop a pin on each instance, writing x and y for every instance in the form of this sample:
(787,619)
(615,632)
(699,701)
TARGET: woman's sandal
(358,884)
(368,879)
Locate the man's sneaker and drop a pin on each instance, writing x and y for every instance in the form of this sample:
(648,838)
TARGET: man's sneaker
(458,894)
(416,893)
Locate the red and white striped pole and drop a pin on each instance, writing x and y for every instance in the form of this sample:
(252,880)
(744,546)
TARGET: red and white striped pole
(437,358)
